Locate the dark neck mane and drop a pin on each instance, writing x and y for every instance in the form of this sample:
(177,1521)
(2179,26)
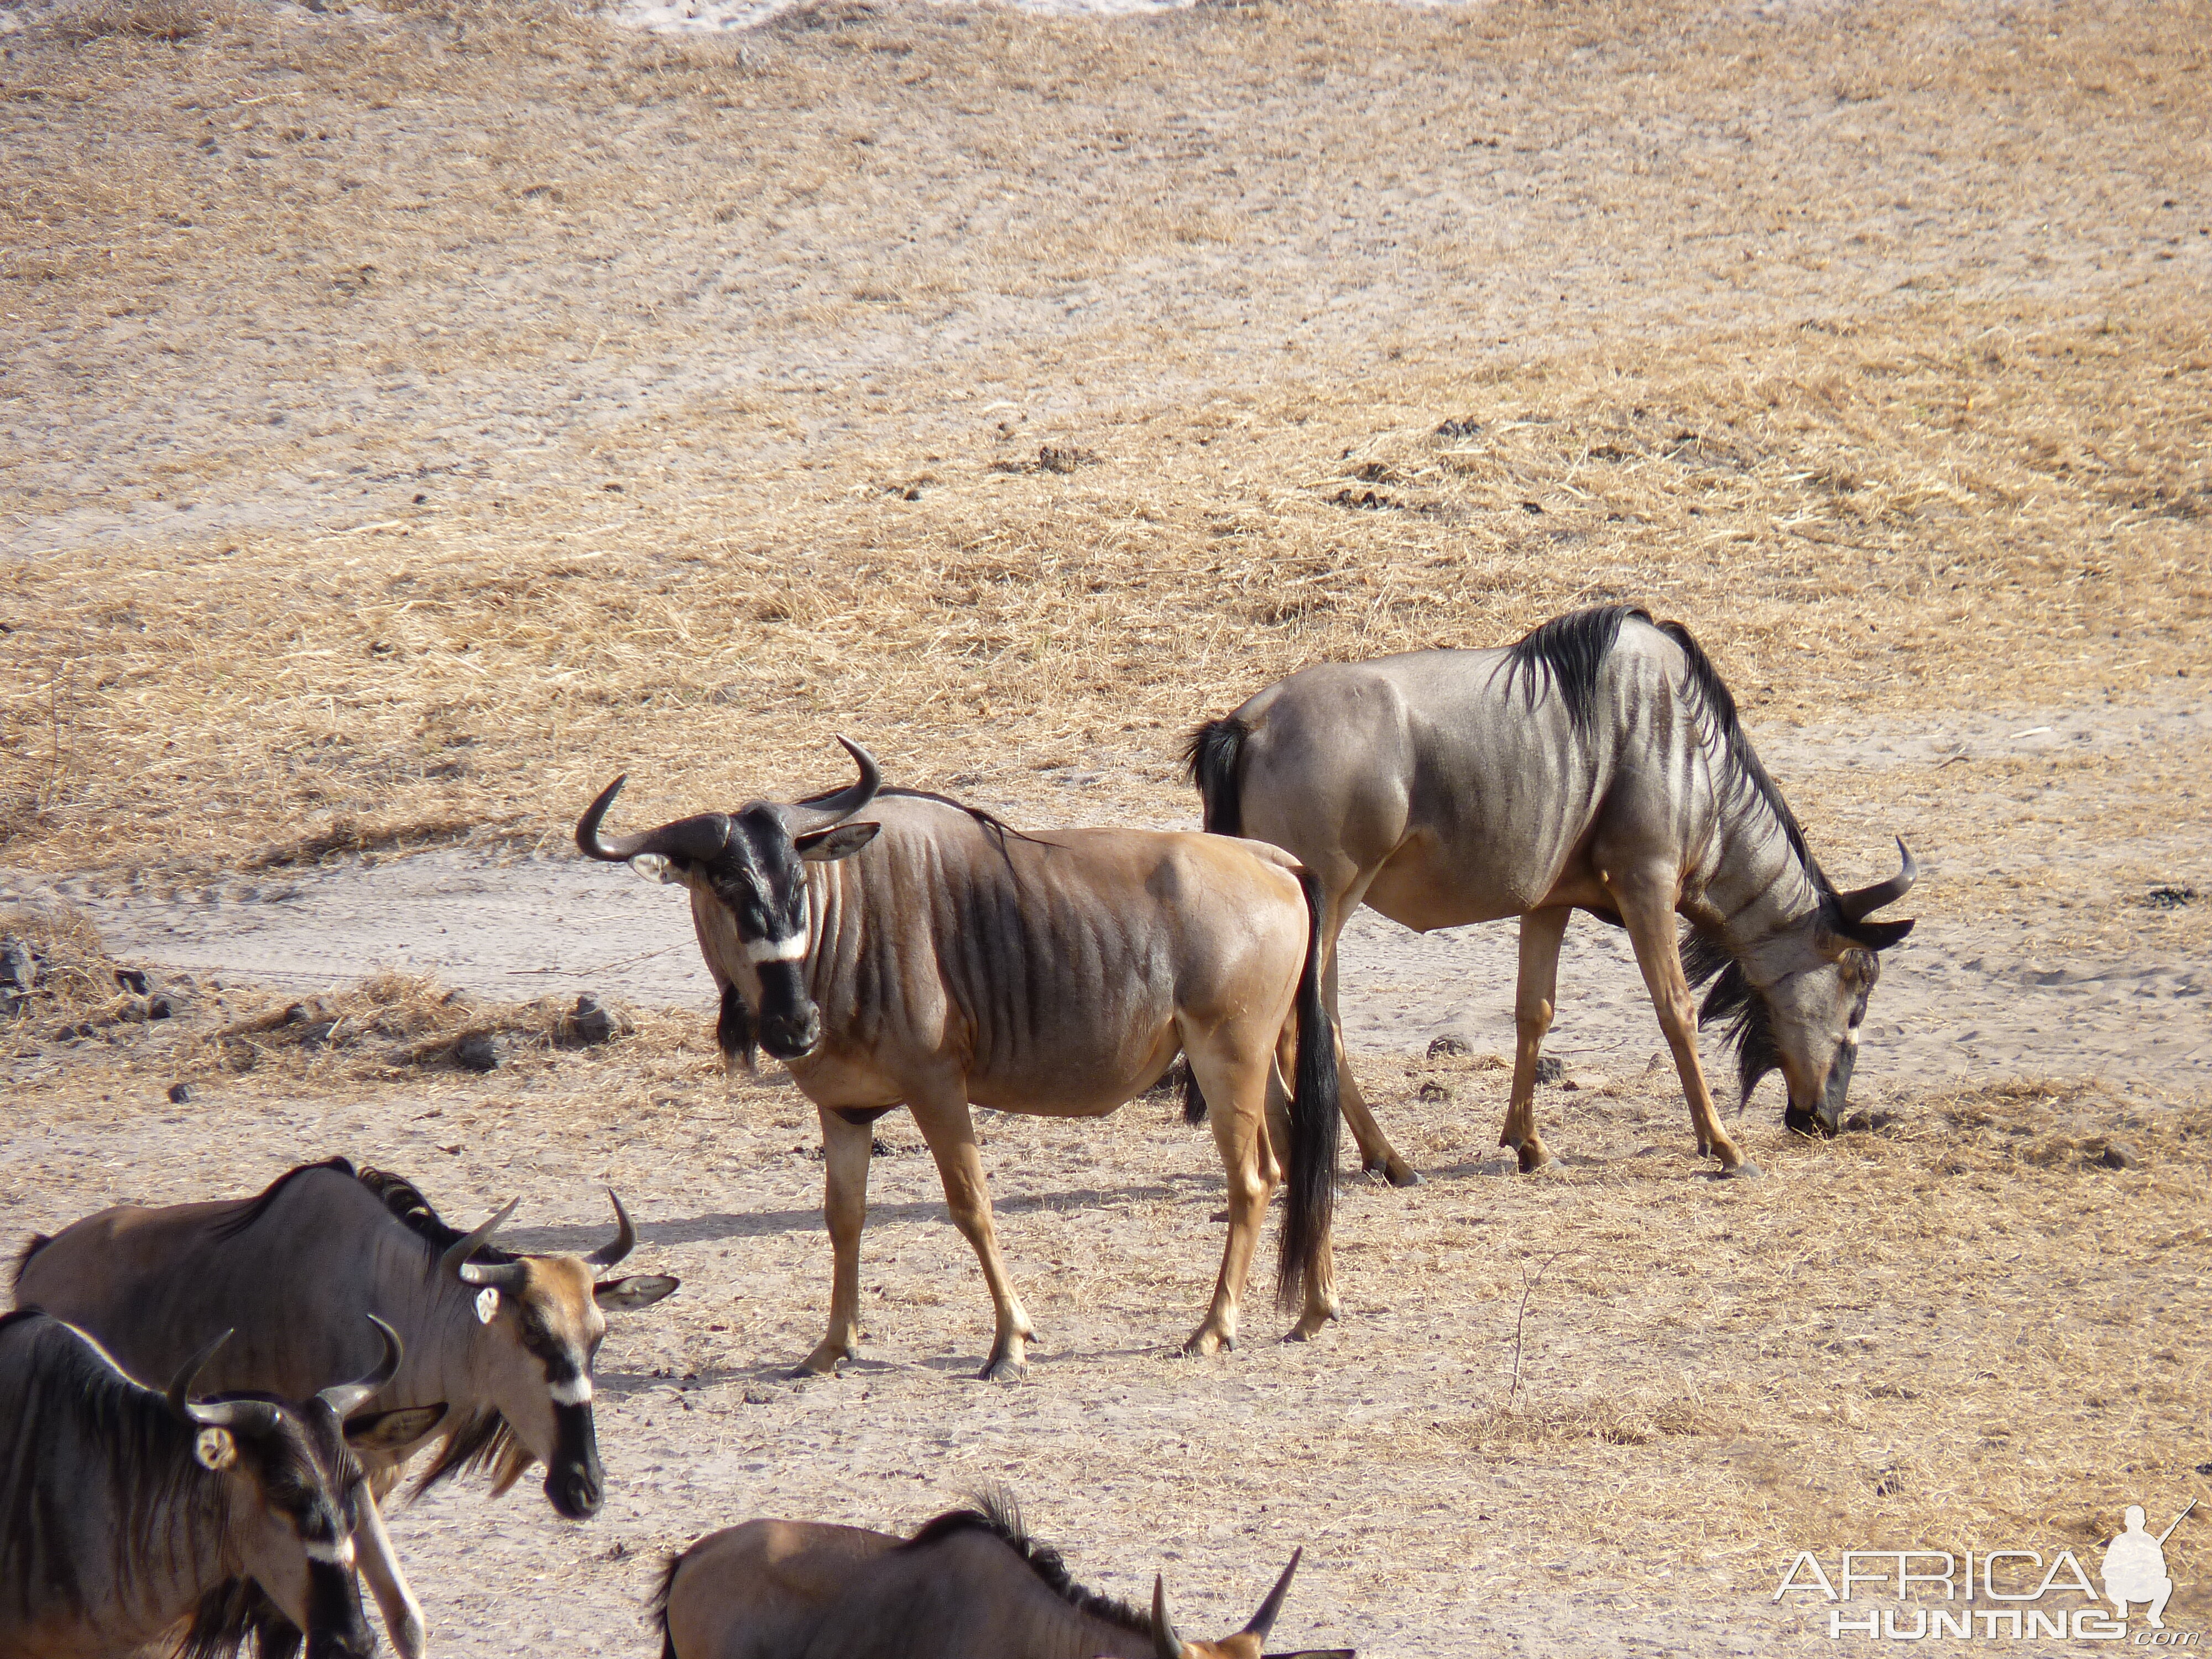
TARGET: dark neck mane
(997,1514)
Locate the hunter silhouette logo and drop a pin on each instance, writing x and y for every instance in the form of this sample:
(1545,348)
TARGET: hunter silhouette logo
(2135,1565)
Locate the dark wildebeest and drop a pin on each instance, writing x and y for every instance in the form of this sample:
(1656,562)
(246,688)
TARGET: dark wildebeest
(505,1342)
(130,1517)
(1597,765)
(950,960)
(968,1584)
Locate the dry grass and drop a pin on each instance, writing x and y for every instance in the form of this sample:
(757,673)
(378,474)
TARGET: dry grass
(1014,575)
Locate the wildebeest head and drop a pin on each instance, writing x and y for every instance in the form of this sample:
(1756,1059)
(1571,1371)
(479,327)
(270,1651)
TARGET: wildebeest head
(749,867)
(302,1521)
(546,1317)
(1795,1001)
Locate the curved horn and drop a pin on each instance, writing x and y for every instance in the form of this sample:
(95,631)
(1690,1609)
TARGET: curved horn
(625,1238)
(1264,1621)
(699,839)
(180,1385)
(1166,1644)
(347,1398)
(1862,902)
(458,1252)
(810,815)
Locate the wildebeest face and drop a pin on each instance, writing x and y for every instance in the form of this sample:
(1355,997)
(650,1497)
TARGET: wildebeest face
(1813,1033)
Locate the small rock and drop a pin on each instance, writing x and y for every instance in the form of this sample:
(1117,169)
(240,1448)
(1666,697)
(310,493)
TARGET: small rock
(134,1010)
(594,1023)
(2120,1155)
(1434,1090)
(133,980)
(160,1006)
(1448,1044)
(1550,1070)
(1857,1123)
(179,1093)
(760,1396)
(18,967)
(12,1003)
(478,1052)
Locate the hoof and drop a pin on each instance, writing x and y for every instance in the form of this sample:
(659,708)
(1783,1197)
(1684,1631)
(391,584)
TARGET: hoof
(800,1373)
(1401,1174)
(1004,1370)
(1207,1342)
(1746,1171)
(1534,1158)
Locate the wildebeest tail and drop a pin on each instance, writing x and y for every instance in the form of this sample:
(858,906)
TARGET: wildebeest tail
(1312,1195)
(1212,754)
(657,1608)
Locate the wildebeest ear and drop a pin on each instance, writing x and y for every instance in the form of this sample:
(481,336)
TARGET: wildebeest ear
(638,1290)
(840,841)
(404,1425)
(1877,935)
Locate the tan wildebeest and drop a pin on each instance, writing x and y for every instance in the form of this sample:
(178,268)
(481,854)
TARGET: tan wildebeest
(1597,765)
(933,958)
(504,1342)
(969,1583)
(132,1520)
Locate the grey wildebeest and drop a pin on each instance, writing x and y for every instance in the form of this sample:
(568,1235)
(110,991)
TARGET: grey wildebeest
(130,1517)
(969,1584)
(934,958)
(1597,765)
(506,1342)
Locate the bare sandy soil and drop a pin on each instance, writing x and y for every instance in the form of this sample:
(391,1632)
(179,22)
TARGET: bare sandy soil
(411,417)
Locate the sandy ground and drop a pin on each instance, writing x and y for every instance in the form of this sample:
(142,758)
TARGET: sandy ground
(411,417)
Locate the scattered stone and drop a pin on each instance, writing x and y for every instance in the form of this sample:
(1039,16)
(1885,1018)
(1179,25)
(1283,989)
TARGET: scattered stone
(478,1052)
(134,1010)
(760,1396)
(19,968)
(2120,1155)
(1465,427)
(1549,1069)
(179,1094)
(1434,1090)
(133,980)
(594,1023)
(2169,896)
(1448,1044)
(12,1003)
(161,1006)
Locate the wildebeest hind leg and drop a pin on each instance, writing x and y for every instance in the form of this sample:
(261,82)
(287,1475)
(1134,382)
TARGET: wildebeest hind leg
(950,1129)
(1237,1086)
(845,1147)
(1647,910)
(1534,994)
(1376,1156)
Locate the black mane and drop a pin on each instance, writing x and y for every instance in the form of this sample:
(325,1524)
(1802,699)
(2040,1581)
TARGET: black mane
(32,1246)
(998,1514)
(1750,1025)
(1567,652)
(405,1200)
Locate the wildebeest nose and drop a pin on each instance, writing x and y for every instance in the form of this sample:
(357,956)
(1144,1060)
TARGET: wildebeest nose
(575,1492)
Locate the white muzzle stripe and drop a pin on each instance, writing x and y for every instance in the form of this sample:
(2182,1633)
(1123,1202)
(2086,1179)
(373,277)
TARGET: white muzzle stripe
(1851,1037)
(577,1391)
(777,950)
(339,1554)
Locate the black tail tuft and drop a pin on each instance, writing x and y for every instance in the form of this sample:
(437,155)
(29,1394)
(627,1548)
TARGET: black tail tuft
(1194,1098)
(1312,1196)
(39,1241)
(1212,754)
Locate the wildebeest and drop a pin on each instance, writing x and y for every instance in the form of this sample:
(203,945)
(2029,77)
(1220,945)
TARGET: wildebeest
(130,1516)
(934,958)
(970,1583)
(1599,765)
(505,1342)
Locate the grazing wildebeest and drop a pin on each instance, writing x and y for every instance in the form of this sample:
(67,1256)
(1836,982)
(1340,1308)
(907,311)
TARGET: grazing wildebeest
(1597,765)
(506,1342)
(130,1516)
(934,958)
(968,1584)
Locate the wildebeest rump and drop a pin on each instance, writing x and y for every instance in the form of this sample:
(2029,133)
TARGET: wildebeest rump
(130,1516)
(969,1584)
(505,1342)
(934,958)
(1599,765)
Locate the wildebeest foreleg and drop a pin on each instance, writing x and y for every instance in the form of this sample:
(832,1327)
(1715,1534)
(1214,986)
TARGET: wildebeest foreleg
(950,1128)
(1647,910)
(1376,1155)
(1535,994)
(845,1147)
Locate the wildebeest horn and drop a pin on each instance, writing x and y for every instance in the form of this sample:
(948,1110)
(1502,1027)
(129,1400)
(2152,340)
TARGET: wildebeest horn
(456,1258)
(1264,1621)
(224,1414)
(347,1398)
(625,1238)
(1864,902)
(1165,1643)
(180,1385)
(699,839)
(810,815)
